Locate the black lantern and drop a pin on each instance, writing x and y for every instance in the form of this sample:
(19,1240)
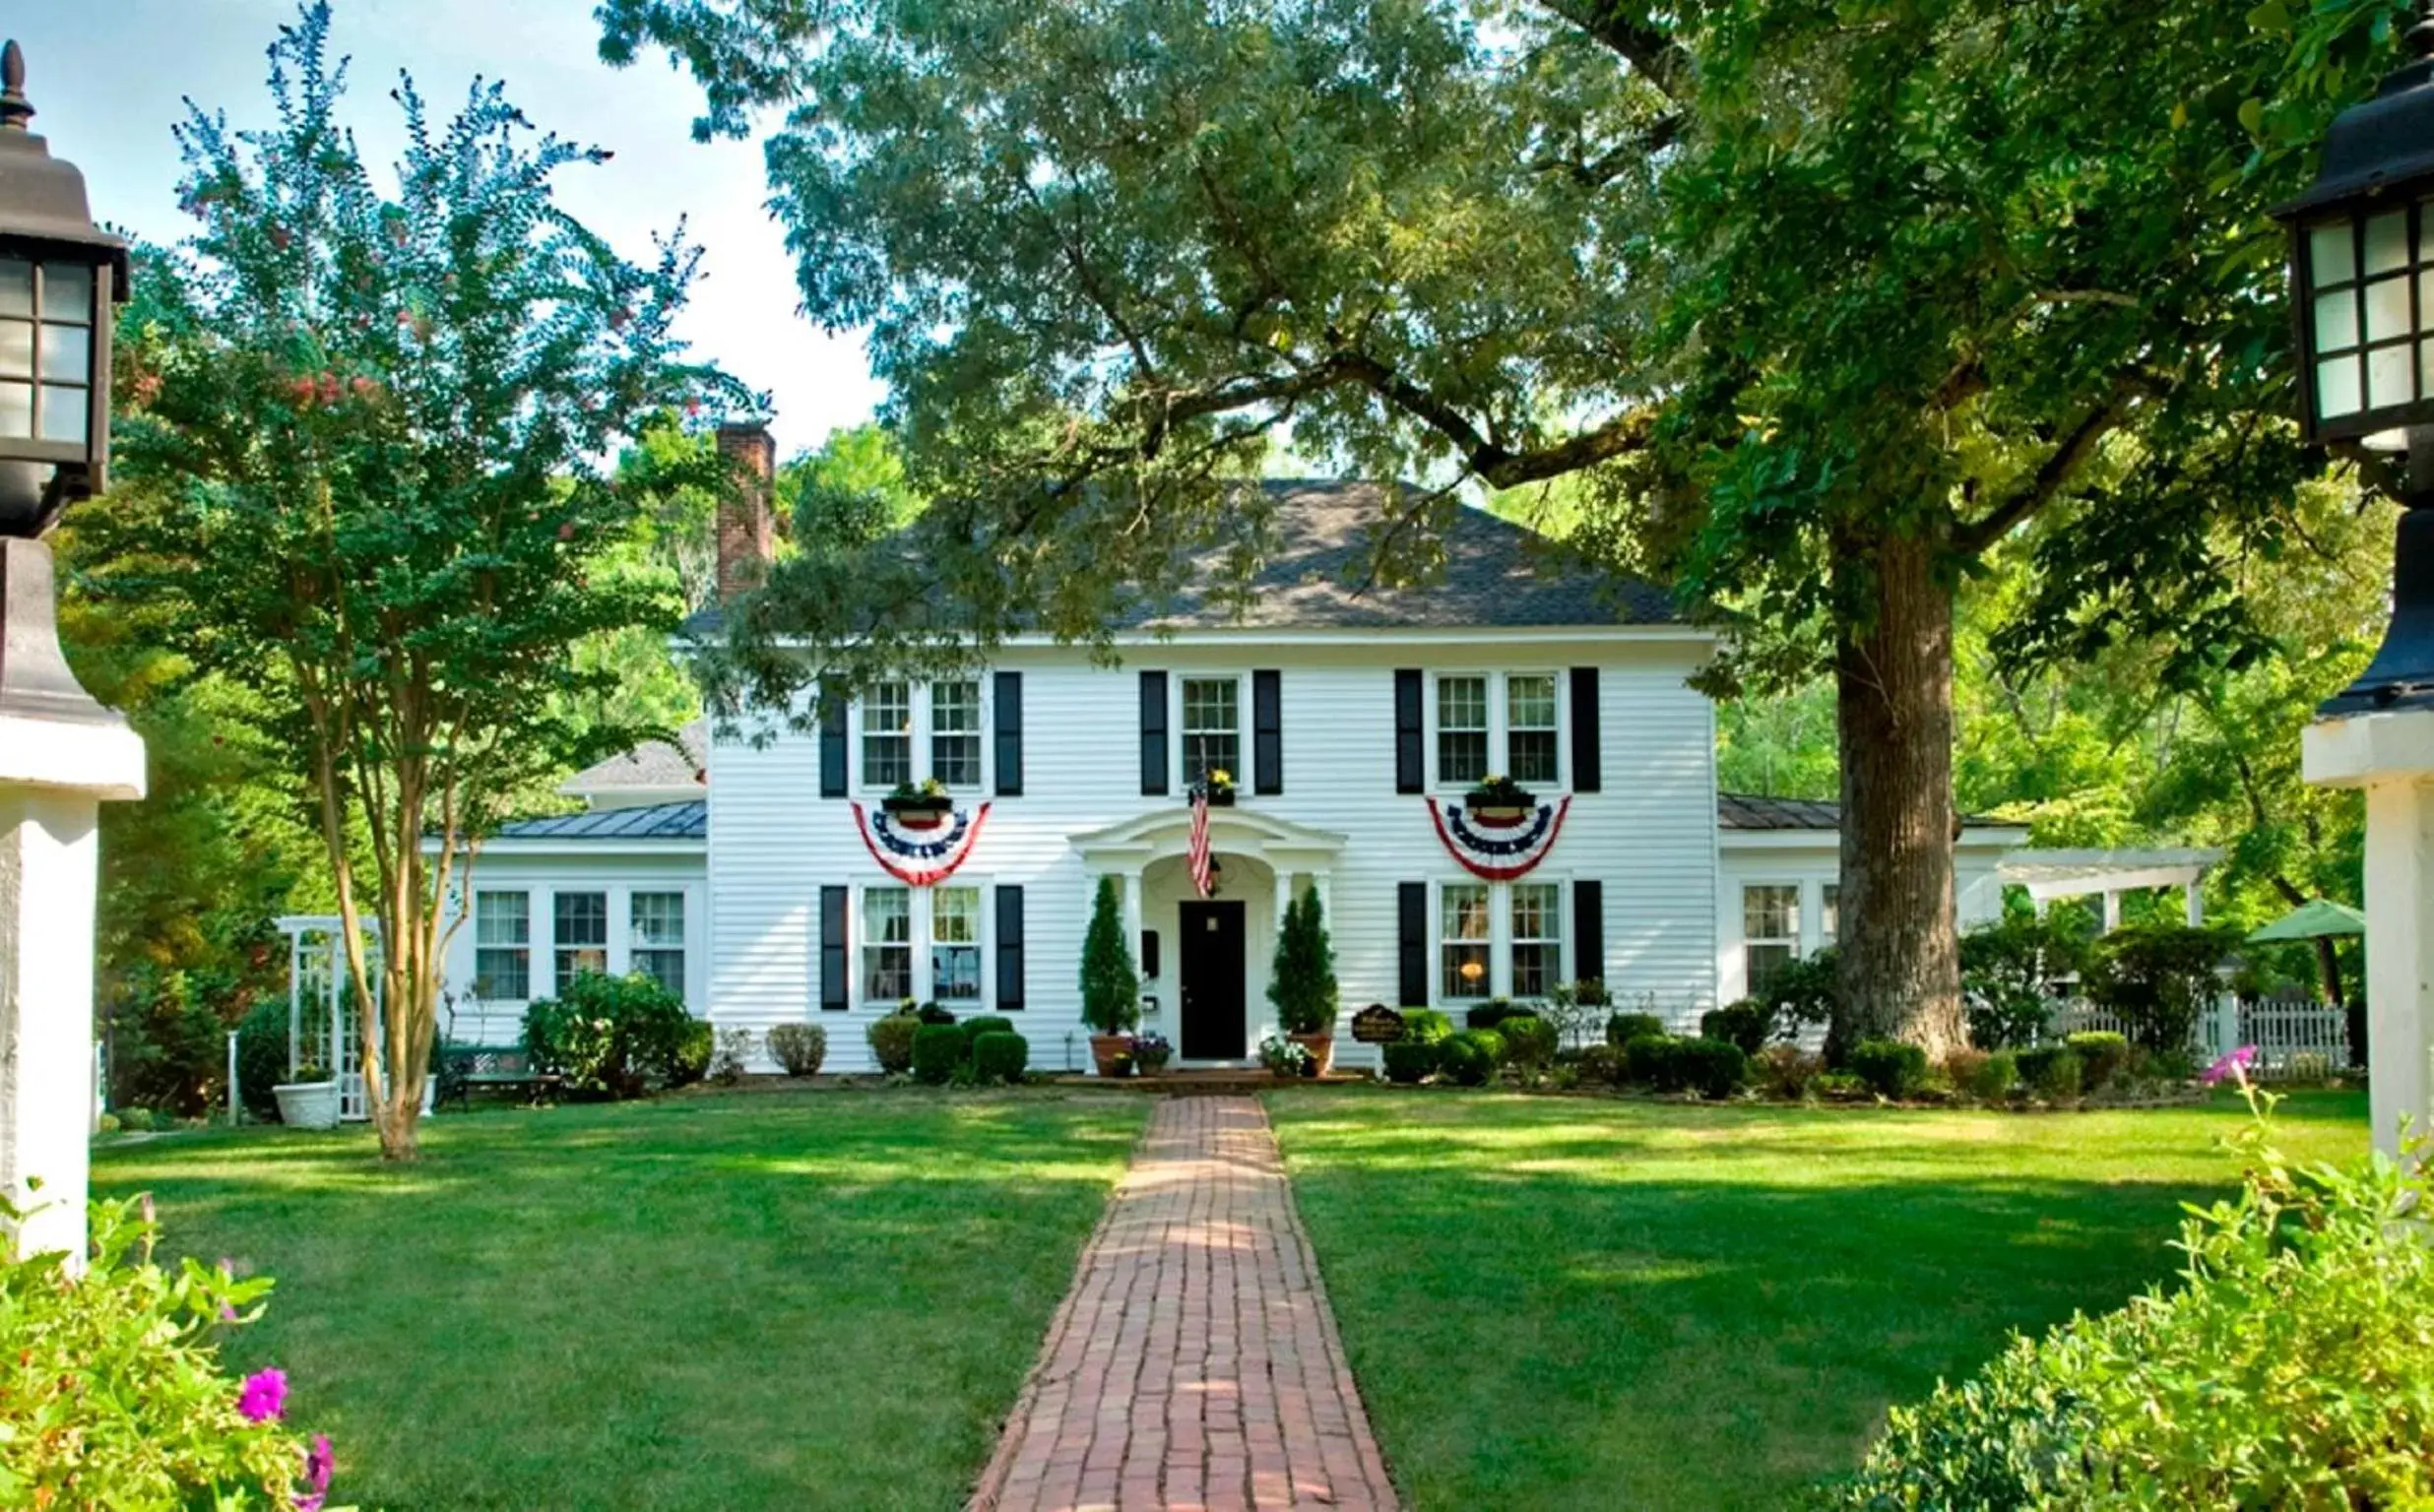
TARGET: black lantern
(60,277)
(2362,277)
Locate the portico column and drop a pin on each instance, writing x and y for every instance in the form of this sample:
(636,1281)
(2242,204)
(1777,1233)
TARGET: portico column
(2192,902)
(2112,910)
(1318,881)
(1132,914)
(1284,898)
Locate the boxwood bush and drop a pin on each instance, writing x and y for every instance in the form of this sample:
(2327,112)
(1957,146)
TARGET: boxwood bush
(1471,1056)
(999,1055)
(1530,1041)
(2051,1071)
(2290,1369)
(1624,1028)
(1488,1015)
(1713,1068)
(610,1036)
(1747,1024)
(891,1042)
(1426,1025)
(1890,1067)
(2103,1055)
(1411,1060)
(938,1053)
(984,1024)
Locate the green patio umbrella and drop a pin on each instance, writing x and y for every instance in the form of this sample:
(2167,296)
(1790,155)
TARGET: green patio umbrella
(2312,921)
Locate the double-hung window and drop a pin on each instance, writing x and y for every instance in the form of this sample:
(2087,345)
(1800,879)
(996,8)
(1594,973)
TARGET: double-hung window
(1829,915)
(581,935)
(955,944)
(502,946)
(1537,938)
(887,734)
(1529,726)
(654,938)
(955,734)
(1463,936)
(1212,727)
(887,944)
(1770,931)
(1461,730)
(1498,724)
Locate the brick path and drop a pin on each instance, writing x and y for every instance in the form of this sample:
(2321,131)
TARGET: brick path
(1194,1364)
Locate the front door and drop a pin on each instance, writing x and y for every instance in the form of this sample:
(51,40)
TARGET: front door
(1211,966)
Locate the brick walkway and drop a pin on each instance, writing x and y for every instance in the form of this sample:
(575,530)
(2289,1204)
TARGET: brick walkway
(1194,1364)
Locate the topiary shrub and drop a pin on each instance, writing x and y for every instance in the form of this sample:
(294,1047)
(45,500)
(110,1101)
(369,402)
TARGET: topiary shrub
(2050,1071)
(985,1023)
(1470,1057)
(1302,979)
(1891,1068)
(1713,1068)
(1111,986)
(1490,1014)
(999,1055)
(610,1036)
(798,1048)
(1648,1060)
(1747,1024)
(2103,1055)
(1409,1061)
(1426,1025)
(262,1055)
(891,1042)
(2288,1369)
(1624,1028)
(1530,1041)
(938,1053)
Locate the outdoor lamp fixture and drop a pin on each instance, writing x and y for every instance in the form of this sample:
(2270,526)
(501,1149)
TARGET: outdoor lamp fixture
(2362,271)
(60,275)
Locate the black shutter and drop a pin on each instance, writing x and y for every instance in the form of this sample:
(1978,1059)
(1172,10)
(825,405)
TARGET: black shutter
(1010,715)
(1587,762)
(1410,770)
(832,746)
(1009,949)
(833,996)
(1411,954)
(1153,735)
(1267,732)
(1589,931)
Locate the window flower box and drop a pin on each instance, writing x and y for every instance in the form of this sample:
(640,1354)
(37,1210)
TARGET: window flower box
(925,806)
(1500,803)
(1217,788)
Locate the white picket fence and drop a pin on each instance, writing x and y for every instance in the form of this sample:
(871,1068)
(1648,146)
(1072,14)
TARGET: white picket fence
(2296,1039)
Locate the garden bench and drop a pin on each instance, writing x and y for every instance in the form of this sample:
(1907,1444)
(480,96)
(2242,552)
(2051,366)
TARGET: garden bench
(464,1068)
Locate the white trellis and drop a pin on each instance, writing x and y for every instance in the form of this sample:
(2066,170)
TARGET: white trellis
(323,1025)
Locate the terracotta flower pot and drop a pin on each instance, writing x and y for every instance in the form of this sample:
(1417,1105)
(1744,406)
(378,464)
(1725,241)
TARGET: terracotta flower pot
(1321,1050)
(1496,816)
(1112,1053)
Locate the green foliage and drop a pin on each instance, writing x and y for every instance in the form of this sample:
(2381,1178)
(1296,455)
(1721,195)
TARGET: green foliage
(1714,1068)
(2007,971)
(1892,1068)
(1624,1028)
(1470,1057)
(1578,1010)
(1426,1025)
(891,1042)
(1747,1024)
(2103,1055)
(1800,992)
(1986,1075)
(1111,987)
(985,1023)
(1302,984)
(1601,1064)
(2050,1071)
(111,1390)
(798,1048)
(1410,1060)
(262,1055)
(694,1053)
(1784,1071)
(1530,1042)
(2157,978)
(610,1036)
(999,1055)
(938,1053)
(2289,1369)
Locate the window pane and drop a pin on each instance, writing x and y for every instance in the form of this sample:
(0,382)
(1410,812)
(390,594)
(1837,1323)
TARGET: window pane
(17,347)
(888,916)
(1212,727)
(2387,242)
(16,286)
(503,959)
(1529,726)
(1770,914)
(2337,390)
(1529,701)
(1461,730)
(2388,378)
(1463,929)
(1760,961)
(502,919)
(658,918)
(955,734)
(2331,253)
(955,914)
(1829,921)
(1537,938)
(2386,309)
(887,944)
(955,944)
(887,734)
(66,413)
(16,409)
(67,293)
(2337,320)
(67,351)
(581,939)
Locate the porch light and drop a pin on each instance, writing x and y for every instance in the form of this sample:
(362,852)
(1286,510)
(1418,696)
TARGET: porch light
(60,276)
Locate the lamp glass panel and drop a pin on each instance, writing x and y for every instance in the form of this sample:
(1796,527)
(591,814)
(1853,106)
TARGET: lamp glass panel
(2337,320)
(2425,368)
(2387,242)
(17,410)
(2337,387)
(2389,380)
(67,293)
(16,286)
(2386,309)
(2331,253)
(63,411)
(17,347)
(67,353)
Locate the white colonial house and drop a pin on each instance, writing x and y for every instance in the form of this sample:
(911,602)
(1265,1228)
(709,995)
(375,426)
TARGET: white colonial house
(766,881)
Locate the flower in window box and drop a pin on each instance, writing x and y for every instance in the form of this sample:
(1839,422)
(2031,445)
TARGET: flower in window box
(922,805)
(1500,801)
(1217,788)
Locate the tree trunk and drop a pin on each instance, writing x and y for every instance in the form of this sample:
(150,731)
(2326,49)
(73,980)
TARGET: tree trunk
(1898,973)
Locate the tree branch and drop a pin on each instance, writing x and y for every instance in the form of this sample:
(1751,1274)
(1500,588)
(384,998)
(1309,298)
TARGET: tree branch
(1624,28)
(2057,469)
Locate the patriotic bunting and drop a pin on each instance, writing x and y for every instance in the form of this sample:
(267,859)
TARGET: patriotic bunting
(920,858)
(1500,852)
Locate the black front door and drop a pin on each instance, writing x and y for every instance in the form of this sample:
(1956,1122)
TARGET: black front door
(1211,966)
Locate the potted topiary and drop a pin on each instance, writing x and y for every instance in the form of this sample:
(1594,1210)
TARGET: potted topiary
(1302,984)
(310,1101)
(1111,987)
(919,806)
(1499,802)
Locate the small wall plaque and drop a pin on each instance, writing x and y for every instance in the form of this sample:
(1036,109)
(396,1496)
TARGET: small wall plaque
(1376,1024)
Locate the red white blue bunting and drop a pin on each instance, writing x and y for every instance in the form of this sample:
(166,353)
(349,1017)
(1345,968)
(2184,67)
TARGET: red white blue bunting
(1500,852)
(920,858)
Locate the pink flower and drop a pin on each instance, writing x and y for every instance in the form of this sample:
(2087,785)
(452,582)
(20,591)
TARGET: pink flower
(2233,1064)
(265,1396)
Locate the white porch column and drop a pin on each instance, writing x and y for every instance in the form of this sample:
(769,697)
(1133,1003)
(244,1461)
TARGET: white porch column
(1284,898)
(61,757)
(2391,756)
(2112,910)
(2193,902)
(1319,883)
(1132,914)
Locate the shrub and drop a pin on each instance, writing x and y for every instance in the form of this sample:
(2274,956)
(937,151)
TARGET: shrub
(2103,1055)
(1745,1024)
(1600,1063)
(1784,1071)
(731,1056)
(798,1047)
(931,1013)
(2051,1071)
(112,1393)
(1839,1087)
(891,1042)
(2157,978)
(262,1055)
(1624,1028)
(985,1023)
(1471,1056)
(1111,987)
(1426,1025)
(1411,1060)
(1713,1068)
(2007,971)
(1986,1075)
(609,1037)
(1490,1014)
(1001,1055)
(694,1054)
(1576,1009)
(2288,1369)
(1648,1060)
(1890,1067)
(1798,993)
(1530,1041)
(1302,984)
(938,1051)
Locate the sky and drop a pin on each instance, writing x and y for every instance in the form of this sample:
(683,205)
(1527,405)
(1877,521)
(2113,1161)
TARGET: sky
(108,78)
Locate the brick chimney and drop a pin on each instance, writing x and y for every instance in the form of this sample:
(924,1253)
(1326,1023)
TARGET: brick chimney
(750,454)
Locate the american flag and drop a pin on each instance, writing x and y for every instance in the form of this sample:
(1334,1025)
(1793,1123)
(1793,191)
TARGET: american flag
(1199,842)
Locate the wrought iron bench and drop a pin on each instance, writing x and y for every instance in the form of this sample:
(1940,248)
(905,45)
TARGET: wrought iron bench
(464,1068)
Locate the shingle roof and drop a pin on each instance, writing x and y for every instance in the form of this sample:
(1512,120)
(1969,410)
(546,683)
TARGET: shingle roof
(1749,811)
(1316,570)
(685,820)
(652,764)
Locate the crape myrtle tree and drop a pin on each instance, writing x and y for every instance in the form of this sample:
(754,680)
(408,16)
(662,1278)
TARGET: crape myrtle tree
(1805,308)
(362,460)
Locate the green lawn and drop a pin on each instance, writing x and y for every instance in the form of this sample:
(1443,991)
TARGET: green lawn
(1562,1302)
(773,1299)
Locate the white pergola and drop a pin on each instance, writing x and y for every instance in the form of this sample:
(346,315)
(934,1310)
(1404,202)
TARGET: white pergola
(2048,874)
(321,1019)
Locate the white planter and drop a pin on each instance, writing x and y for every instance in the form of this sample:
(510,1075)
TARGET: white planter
(307,1104)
